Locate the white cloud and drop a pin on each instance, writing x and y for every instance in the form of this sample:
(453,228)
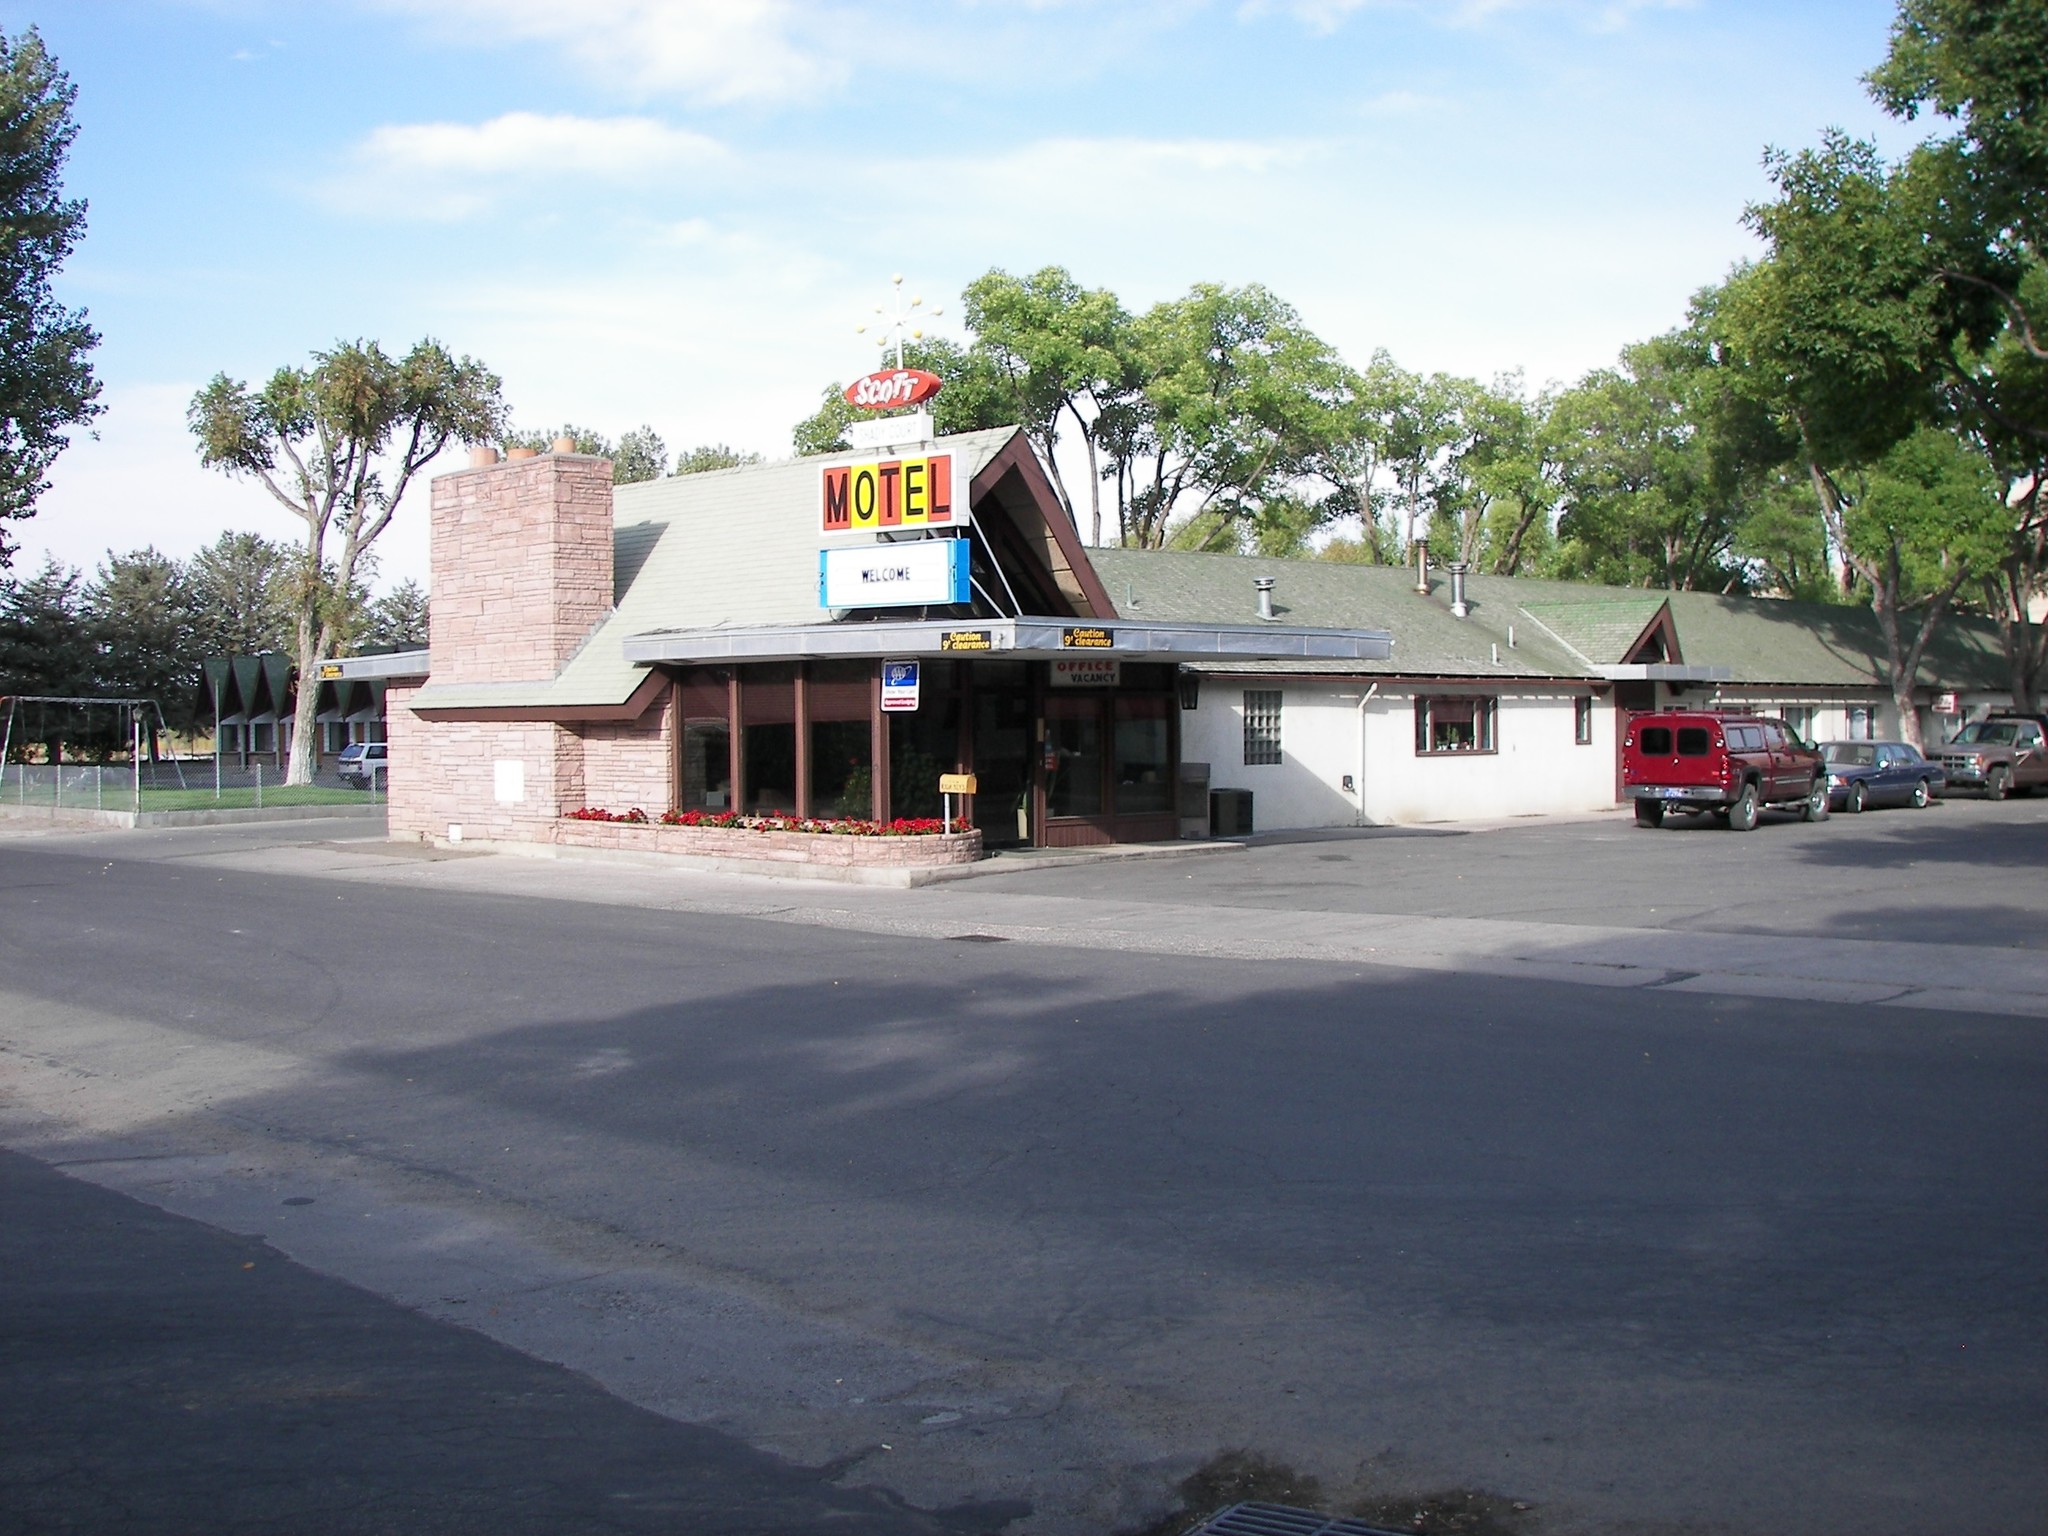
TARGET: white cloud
(714,52)
(455,170)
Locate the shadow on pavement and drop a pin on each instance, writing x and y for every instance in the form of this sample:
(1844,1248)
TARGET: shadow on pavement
(160,1375)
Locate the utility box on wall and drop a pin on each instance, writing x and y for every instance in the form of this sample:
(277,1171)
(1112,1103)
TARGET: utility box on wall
(1230,813)
(1192,805)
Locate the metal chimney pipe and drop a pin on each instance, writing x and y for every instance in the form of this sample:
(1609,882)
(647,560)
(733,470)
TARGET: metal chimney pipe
(1264,585)
(1458,604)
(1422,568)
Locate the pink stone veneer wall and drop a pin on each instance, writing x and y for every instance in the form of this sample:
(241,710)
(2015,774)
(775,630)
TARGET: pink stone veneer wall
(629,763)
(522,562)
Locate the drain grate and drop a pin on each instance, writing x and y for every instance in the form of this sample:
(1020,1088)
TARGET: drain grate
(1280,1520)
(978,938)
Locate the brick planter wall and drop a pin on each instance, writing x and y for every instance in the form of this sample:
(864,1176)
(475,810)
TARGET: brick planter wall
(930,851)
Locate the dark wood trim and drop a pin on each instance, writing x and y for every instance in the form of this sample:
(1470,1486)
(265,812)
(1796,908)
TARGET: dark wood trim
(1665,628)
(637,704)
(1019,458)
(800,713)
(878,777)
(672,732)
(735,742)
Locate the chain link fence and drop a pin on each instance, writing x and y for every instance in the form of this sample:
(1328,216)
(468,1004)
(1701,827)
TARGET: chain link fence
(174,785)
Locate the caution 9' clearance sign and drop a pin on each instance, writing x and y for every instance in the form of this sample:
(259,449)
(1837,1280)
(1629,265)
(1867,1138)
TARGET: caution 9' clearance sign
(908,492)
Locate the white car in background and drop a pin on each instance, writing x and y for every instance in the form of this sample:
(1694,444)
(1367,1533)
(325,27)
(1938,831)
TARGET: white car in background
(363,764)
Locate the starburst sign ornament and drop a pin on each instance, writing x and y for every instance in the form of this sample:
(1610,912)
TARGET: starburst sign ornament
(887,388)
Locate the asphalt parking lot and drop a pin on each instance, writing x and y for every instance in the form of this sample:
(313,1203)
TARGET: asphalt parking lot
(1963,871)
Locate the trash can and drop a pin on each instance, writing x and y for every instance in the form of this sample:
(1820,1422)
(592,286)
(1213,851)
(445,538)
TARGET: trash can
(1192,805)
(1230,812)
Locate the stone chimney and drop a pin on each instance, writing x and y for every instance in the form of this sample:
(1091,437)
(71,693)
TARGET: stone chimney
(522,566)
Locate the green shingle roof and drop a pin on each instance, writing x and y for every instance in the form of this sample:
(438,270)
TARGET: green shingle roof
(1559,629)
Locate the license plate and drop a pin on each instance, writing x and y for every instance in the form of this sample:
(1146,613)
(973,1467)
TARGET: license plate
(1674,794)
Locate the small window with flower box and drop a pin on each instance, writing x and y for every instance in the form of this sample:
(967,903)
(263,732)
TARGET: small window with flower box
(1453,727)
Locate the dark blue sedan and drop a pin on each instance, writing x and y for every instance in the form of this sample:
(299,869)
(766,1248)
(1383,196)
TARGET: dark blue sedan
(1863,773)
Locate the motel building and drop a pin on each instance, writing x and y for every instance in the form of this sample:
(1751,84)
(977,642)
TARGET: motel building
(845,636)
(821,638)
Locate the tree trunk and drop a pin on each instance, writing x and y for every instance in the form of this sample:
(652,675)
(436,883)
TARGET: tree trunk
(314,643)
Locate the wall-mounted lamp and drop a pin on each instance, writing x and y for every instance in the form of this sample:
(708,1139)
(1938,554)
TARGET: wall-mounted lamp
(1189,685)
(1350,785)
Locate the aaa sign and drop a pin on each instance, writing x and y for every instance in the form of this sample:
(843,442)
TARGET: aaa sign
(891,493)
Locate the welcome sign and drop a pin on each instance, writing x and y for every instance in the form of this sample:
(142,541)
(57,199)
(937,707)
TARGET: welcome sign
(913,491)
(924,573)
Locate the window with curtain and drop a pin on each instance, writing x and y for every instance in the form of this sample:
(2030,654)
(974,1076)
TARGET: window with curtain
(1446,727)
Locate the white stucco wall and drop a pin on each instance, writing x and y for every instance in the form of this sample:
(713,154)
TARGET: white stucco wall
(1328,732)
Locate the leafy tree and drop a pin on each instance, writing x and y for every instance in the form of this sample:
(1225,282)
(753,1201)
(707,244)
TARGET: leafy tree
(241,588)
(969,400)
(45,649)
(1662,462)
(398,619)
(1840,334)
(712,456)
(338,445)
(140,620)
(641,455)
(46,382)
(1062,354)
(1982,64)
(1238,402)
(1498,487)
(1356,464)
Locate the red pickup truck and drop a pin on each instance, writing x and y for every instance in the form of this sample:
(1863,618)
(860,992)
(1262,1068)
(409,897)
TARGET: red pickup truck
(1726,766)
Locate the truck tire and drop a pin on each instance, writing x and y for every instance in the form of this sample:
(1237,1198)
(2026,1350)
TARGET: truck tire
(1816,807)
(1998,783)
(1742,814)
(1649,813)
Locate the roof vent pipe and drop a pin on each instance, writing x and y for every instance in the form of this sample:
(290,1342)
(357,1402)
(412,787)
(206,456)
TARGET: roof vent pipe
(1422,568)
(1264,585)
(1458,605)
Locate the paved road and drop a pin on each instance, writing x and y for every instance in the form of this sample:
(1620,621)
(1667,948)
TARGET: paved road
(164,1376)
(1054,1223)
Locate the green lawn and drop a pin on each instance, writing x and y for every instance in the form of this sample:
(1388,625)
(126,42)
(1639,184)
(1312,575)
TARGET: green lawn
(241,799)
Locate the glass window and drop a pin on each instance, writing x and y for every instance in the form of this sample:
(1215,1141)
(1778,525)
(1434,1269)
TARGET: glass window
(1655,740)
(768,719)
(1850,753)
(1799,721)
(1144,779)
(1862,722)
(924,743)
(839,698)
(703,702)
(1261,727)
(1693,741)
(1073,739)
(1447,725)
(1582,721)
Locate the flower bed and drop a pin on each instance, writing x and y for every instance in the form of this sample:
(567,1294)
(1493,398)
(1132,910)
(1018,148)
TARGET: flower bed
(907,842)
(834,826)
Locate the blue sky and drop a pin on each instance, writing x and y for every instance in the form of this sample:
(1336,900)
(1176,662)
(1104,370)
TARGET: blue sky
(676,211)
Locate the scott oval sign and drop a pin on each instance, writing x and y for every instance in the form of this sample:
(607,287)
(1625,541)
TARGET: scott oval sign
(892,387)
